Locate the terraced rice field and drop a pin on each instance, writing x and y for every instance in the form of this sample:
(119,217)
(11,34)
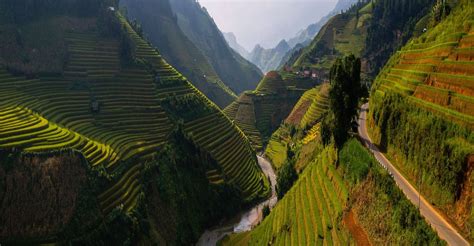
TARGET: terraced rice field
(217,135)
(214,132)
(271,83)
(57,112)
(242,112)
(309,212)
(436,71)
(112,115)
(318,107)
(312,134)
(302,107)
(277,148)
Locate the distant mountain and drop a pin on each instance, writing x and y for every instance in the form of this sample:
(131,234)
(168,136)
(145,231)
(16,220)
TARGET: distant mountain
(232,41)
(269,59)
(160,26)
(196,23)
(294,53)
(302,39)
(310,32)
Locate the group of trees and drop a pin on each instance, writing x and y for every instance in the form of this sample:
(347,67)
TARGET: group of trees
(287,175)
(344,96)
(391,26)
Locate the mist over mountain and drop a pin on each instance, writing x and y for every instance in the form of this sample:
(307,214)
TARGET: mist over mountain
(270,59)
(265,22)
(234,44)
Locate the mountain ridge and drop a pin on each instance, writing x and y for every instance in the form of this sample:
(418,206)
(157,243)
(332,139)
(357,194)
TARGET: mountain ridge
(239,74)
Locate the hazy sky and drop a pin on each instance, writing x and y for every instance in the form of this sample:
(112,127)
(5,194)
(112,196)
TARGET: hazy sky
(265,21)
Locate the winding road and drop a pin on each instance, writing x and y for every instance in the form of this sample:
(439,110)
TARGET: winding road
(444,229)
(245,221)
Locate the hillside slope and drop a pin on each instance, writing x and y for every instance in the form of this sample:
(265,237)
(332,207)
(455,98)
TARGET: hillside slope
(151,140)
(237,73)
(159,24)
(336,201)
(258,113)
(371,30)
(427,88)
(308,34)
(343,34)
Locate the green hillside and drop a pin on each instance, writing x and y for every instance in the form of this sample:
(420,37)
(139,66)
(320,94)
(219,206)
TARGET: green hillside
(301,124)
(157,22)
(343,34)
(308,214)
(258,113)
(332,190)
(112,98)
(427,87)
(372,30)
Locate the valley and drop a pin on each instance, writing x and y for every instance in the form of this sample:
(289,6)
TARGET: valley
(143,123)
(247,220)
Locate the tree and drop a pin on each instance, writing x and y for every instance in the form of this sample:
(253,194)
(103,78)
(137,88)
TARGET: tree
(286,177)
(344,95)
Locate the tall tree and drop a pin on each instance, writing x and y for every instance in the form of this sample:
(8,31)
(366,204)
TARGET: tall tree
(344,95)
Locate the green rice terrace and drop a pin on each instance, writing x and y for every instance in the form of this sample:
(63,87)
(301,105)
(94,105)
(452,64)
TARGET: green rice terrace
(436,70)
(260,112)
(335,201)
(429,84)
(308,214)
(119,114)
(303,119)
(364,137)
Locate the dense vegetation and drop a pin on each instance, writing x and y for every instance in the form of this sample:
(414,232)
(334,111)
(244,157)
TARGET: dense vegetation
(177,185)
(286,177)
(309,214)
(422,113)
(371,30)
(344,95)
(116,101)
(342,35)
(333,185)
(373,192)
(391,26)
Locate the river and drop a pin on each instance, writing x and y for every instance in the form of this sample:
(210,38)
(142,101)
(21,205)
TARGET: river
(246,220)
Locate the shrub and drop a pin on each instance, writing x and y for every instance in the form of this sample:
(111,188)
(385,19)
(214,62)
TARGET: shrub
(286,177)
